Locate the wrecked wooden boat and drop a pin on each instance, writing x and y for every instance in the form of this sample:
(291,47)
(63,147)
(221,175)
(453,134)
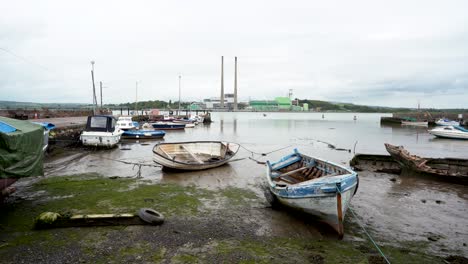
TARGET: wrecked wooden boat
(375,163)
(195,155)
(318,187)
(451,169)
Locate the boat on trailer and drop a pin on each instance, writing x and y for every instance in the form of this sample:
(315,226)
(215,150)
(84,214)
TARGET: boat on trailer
(319,187)
(194,155)
(100,131)
(454,132)
(450,169)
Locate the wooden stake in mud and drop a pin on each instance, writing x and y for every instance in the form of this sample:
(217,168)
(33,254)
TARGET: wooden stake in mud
(340,211)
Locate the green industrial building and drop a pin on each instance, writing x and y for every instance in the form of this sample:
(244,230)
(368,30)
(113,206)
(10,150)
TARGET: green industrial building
(279,104)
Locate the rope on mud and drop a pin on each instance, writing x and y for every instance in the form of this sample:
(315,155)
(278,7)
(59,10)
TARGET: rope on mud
(133,163)
(253,153)
(365,231)
(263,153)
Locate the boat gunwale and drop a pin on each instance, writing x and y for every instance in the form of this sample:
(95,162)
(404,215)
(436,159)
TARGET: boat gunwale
(312,182)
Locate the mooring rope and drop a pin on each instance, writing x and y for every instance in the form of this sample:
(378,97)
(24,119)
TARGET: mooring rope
(365,231)
(263,153)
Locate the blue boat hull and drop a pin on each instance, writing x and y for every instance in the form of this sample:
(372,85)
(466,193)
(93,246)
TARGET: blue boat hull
(143,134)
(169,126)
(326,197)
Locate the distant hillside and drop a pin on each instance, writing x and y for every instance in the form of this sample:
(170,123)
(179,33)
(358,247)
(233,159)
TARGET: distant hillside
(348,107)
(31,105)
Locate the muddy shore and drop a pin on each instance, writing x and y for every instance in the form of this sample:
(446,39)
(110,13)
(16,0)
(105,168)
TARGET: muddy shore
(208,225)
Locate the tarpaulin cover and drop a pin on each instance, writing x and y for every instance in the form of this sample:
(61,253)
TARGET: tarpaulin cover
(21,150)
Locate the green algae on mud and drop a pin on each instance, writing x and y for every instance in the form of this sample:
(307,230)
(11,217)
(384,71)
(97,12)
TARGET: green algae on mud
(92,193)
(182,242)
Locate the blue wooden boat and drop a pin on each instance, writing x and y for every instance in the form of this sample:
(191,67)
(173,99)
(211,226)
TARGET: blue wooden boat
(316,186)
(168,126)
(143,134)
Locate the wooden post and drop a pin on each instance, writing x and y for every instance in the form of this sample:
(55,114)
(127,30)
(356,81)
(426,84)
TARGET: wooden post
(339,211)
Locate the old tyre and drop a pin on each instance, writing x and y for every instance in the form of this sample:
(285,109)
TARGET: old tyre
(151,216)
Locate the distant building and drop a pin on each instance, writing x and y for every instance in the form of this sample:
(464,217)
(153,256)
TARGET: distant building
(284,103)
(215,102)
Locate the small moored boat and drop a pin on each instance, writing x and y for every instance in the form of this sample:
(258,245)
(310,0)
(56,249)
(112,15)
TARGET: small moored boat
(126,123)
(447,122)
(195,155)
(415,123)
(454,132)
(100,131)
(143,134)
(168,126)
(318,187)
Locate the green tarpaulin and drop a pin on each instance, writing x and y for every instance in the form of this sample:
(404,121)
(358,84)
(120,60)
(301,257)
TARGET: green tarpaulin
(21,149)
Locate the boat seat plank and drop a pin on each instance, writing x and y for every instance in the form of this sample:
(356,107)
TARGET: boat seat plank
(288,179)
(293,171)
(192,155)
(165,153)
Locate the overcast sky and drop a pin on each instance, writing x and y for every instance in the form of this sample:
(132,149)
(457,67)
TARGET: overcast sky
(390,53)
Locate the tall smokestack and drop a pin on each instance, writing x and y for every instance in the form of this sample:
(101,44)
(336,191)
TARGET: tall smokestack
(235,84)
(222,82)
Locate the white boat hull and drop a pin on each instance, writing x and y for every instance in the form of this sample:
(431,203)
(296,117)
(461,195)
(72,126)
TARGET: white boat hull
(197,155)
(410,123)
(449,132)
(447,123)
(322,207)
(100,139)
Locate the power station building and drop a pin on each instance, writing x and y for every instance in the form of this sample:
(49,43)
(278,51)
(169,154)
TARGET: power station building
(279,104)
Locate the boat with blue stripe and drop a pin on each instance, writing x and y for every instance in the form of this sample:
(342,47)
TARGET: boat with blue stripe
(143,134)
(316,186)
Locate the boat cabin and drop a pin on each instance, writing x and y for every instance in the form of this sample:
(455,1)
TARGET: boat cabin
(101,123)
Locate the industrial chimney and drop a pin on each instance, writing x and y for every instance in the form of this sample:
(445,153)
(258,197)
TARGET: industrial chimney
(235,84)
(222,82)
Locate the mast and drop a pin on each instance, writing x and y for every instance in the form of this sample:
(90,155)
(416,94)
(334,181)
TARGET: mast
(94,88)
(180,77)
(235,84)
(222,82)
(136,98)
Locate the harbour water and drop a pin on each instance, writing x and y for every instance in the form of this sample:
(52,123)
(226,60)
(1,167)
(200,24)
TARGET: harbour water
(394,208)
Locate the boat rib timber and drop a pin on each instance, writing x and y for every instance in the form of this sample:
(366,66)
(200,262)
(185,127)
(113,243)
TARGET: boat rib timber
(450,169)
(194,155)
(318,187)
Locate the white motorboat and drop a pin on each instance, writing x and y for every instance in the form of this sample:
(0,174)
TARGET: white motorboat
(101,132)
(447,122)
(455,132)
(126,123)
